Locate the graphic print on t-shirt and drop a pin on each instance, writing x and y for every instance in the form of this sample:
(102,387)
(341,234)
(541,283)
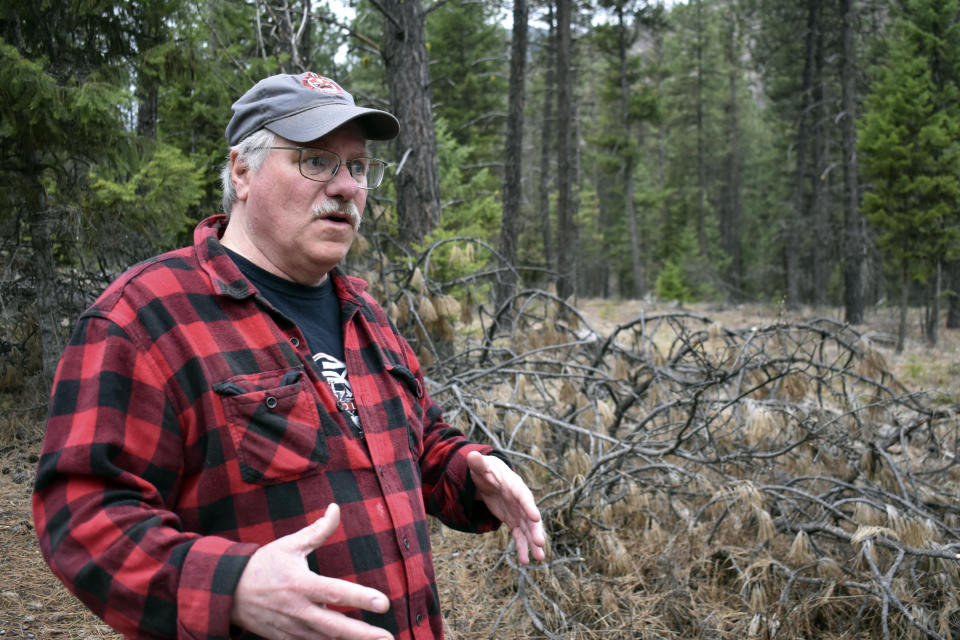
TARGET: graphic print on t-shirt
(335,373)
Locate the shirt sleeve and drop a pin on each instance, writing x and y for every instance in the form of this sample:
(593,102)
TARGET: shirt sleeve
(448,489)
(107,480)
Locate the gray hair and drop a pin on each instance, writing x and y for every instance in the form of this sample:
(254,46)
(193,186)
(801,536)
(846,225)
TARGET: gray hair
(251,151)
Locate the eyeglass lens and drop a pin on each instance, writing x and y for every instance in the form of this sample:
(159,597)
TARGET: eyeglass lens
(322,165)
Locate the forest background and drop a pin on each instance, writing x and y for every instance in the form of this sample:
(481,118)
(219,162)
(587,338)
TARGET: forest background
(803,154)
(749,150)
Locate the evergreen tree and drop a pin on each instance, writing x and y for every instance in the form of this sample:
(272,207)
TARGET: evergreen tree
(63,101)
(795,47)
(854,240)
(694,95)
(405,57)
(547,139)
(934,29)
(567,174)
(627,104)
(469,75)
(910,145)
(513,156)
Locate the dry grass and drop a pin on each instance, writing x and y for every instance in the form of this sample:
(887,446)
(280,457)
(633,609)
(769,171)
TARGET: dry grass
(659,546)
(752,479)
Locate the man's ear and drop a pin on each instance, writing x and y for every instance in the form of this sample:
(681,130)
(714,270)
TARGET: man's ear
(240,174)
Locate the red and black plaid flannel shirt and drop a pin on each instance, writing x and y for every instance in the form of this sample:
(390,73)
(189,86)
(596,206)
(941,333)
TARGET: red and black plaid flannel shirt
(188,426)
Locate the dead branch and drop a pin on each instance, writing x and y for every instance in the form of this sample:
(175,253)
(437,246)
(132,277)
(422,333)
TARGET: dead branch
(780,475)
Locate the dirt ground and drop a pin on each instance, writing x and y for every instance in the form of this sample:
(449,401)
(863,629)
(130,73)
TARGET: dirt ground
(34,605)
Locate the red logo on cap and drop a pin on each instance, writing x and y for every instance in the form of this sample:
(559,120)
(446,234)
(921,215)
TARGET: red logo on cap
(318,83)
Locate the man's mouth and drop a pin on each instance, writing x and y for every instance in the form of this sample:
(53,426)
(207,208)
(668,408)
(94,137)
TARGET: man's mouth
(342,213)
(334,217)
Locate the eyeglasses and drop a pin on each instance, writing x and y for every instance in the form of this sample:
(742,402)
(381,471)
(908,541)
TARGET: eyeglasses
(321,165)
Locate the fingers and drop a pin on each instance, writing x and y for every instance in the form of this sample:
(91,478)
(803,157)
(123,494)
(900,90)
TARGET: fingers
(537,542)
(530,541)
(510,499)
(312,536)
(321,624)
(336,625)
(340,593)
(278,596)
(524,498)
(330,590)
(512,489)
(523,551)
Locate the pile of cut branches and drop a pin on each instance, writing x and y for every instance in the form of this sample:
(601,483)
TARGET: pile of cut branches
(703,481)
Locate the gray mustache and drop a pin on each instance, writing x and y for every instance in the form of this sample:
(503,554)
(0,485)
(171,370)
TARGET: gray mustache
(328,207)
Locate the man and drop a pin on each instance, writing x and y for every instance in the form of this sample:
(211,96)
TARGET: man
(238,442)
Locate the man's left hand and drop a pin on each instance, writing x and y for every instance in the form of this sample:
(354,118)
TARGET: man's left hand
(509,498)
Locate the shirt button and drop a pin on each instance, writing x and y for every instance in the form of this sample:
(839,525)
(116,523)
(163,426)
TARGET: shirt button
(406,544)
(271,402)
(295,341)
(419,619)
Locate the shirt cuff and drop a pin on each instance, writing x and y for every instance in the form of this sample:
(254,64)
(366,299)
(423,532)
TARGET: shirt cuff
(208,580)
(477,518)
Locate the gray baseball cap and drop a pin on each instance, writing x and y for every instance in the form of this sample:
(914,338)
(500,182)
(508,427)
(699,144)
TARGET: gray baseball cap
(302,108)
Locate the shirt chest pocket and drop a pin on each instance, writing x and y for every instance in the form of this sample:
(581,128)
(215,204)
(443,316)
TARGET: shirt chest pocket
(274,424)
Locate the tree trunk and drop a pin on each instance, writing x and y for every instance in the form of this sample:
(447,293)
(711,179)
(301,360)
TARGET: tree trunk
(819,227)
(546,144)
(853,234)
(293,32)
(904,299)
(288,25)
(566,178)
(513,156)
(306,39)
(147,100)
(795,213)
(408,78)
(148,83)
(933,321)
(634,229)
(47,298)
(595,275)
(730,226)
(39,226)
(953,292)
(701,141)
(663,131)
(631,147)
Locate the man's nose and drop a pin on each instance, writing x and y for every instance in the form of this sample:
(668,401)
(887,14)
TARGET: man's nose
(342,185)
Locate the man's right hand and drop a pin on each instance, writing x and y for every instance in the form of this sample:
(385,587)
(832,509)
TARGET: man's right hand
(279,597)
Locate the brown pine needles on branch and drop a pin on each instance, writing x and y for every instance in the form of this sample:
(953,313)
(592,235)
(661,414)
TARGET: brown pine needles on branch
(696,480)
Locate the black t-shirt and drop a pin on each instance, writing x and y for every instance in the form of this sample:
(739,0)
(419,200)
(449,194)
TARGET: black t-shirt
(316,311)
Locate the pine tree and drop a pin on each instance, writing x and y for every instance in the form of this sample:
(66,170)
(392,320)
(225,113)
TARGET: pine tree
(627,105)
(910,145)
(513,156)
(854,242)
(695,93)
(405,57)
(61,112)
(567,175)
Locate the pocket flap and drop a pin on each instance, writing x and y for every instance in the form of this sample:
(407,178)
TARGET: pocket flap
(406,376)
(274,423)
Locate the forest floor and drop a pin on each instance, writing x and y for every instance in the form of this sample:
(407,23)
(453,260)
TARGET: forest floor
(33,604)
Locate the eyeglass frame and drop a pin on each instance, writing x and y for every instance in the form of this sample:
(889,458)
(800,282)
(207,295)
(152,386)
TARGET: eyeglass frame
(340,162)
